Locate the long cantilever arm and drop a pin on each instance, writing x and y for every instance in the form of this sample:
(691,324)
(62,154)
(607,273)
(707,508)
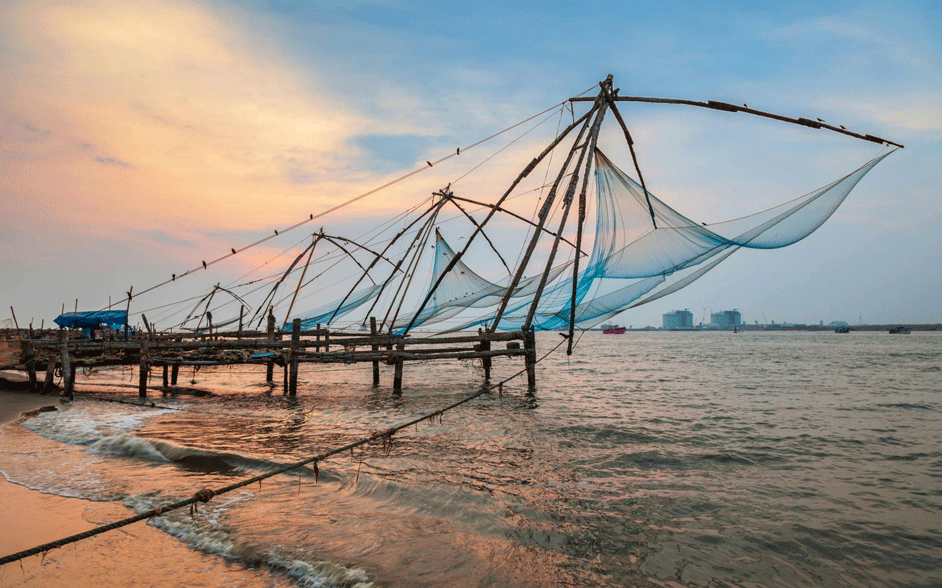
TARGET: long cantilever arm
(715,105)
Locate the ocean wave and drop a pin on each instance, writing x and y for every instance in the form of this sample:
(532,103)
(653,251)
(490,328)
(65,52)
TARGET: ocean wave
(205,533)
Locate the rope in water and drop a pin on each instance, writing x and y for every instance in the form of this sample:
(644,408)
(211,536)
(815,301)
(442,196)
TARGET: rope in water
(206,494)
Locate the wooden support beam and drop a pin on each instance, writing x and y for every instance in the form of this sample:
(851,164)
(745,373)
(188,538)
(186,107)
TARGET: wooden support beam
(30,363)
(375,348)
(295,341)
(397,377)
(526,171)
(143,370)
(727,107)
(166,378)
(543,216)
(174,373)
(50,374)
(67,388)
(529,344)
(592,142)
(485,345)
(270,366)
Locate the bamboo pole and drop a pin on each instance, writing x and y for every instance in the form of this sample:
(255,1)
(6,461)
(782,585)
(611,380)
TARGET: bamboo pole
(526,171)
(515,215)
(483,234)
(143,371)
(375,348)
(543,216)
(376,260)
(300,282)
(295,343)
(570,193)
(68,390)
(634,158)
(593,141)
(725,106)
(270,366)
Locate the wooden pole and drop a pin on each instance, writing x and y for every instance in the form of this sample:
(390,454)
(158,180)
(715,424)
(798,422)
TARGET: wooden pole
(270,365)
(30,364)
(543,216)
(715,105)
(150,331)
(570,193)
(50,373)
(375,261)
(144,368)
(68,390)
(634,158)
(241,314)
(301,281)
(375,347)
(485,345)
(166,378)
(397,376)
(295,343)
(16,324)
(174,373)
(529,344)
(593,141)
(526,171)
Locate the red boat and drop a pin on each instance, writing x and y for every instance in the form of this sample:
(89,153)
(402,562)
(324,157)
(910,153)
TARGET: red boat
(613,330)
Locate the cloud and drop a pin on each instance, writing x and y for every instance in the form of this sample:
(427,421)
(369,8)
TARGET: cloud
(113,161)
(164,237)
(40,132)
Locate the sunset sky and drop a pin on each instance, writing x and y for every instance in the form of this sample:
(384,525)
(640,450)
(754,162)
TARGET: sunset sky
(137,140)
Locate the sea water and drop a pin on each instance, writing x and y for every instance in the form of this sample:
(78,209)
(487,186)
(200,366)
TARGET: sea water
(648,459)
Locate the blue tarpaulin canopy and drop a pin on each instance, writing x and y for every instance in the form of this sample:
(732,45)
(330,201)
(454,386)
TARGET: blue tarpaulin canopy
(93,319)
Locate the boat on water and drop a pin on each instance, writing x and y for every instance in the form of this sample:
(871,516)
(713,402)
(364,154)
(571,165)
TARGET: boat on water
(610,329)
(842,330)
(900,331)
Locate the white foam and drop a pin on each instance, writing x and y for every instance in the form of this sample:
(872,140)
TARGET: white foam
(125,445)
(212,538)
(85,423)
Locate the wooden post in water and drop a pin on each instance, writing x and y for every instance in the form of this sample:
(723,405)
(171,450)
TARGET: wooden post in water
(270,365)
(529,343)
(50,373)
(375,349)
(142,380)
(295,344)
(30,363)
(485,345)
(397,376)
(67,389)
(166,379)
(174,372)
(317,337)
(241,314)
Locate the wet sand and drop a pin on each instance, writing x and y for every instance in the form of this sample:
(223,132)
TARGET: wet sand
(140,555)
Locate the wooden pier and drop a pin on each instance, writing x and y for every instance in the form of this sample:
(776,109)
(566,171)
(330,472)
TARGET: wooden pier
(65,351)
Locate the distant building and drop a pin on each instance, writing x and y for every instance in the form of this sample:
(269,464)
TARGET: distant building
(726,318)
(838,324)
(679,319)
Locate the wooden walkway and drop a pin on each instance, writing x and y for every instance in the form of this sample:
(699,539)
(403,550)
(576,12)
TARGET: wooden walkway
(65,351)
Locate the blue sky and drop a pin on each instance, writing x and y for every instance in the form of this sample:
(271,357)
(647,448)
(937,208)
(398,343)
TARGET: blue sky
(135,140)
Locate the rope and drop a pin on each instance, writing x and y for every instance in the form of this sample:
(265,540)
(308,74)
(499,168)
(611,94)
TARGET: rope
(205,264)
(205,494)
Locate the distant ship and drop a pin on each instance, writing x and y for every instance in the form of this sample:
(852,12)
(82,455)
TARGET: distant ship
(610,329)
